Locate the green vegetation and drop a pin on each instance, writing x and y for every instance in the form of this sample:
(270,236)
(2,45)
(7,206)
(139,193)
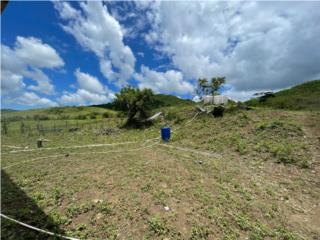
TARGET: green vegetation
(135,103)
(58,113)
(210,88)
(305,96)
(247,175)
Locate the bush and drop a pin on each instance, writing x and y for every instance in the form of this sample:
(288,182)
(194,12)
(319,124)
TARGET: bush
(106,115)
(136,104)
(40,117)
(218,111)
(81,117)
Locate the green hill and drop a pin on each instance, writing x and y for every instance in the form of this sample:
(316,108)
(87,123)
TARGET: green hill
(305,96)
(60,113)
(161,100)
(84,112)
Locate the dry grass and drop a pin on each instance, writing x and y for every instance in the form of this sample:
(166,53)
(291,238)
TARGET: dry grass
(164,193)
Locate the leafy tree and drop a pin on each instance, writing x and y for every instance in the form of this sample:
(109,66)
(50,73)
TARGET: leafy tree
(216,83)
(212,87)
(202,86)
(135,103)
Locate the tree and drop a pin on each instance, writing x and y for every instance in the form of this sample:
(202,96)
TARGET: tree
(202,86)
(135,103)
(206,88)
(216,83)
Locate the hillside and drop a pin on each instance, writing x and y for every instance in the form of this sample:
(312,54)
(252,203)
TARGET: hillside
(161,100)
(248,175)
(305,96)
(61,113)
(85,112)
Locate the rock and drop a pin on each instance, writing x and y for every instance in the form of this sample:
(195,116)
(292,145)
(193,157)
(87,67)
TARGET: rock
(97,201)
(166,208)
(99,216)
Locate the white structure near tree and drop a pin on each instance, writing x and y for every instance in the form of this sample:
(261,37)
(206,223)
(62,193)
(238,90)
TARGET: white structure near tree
(219,99)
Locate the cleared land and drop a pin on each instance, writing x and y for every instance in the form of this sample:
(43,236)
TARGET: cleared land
(261,180)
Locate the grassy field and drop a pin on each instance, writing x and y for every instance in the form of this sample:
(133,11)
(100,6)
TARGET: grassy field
(248,175)
(301,97)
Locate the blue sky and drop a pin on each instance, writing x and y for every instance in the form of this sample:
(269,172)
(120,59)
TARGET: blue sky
(72,53)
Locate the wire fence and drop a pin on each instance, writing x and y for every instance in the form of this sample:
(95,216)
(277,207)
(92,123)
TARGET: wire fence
(44,127)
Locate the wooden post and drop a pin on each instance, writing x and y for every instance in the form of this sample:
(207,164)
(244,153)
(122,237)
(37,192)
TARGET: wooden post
(39,143)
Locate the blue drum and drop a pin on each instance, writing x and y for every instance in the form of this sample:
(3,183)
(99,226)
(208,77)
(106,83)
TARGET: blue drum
(165,133)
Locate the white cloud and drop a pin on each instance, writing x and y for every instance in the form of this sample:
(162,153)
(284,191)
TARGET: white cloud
(90,91)
(84,97)
(35,53)
(11,82)
(32,99)
(98,31)
(26,98)
(256,45)
(89,83)
(170,81)
(26,60)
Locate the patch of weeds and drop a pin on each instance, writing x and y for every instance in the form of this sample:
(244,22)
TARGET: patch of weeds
(283,153)
(241,146)
(58,219)
(158,225)
(283,128)
(270,125)
(105,208)
(146,188)
(110,230)
(284,234)
(260,231)
(160,197)
(199,232)
(75,210)
(202,195)
(244,193)
(226,227)
(243,222)
(57,193)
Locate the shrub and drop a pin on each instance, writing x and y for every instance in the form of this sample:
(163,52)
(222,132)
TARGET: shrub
(218,111)
(40,117)
(106,115)
(81,117)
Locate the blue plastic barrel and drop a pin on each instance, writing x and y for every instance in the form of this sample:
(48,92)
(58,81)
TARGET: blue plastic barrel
(165,133)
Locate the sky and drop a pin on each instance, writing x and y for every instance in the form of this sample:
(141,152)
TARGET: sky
(81,53)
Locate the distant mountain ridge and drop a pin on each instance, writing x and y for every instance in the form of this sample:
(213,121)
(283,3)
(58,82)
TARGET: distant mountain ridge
(6,110)
(161,100)
(305,96)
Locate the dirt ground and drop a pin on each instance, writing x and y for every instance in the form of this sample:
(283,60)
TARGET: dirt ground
(151,191)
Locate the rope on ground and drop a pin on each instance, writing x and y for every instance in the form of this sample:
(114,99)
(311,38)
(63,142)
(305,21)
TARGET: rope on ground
(187,123)
(81,146)
(11,146)
(204,153)
(143,146)
(37,229)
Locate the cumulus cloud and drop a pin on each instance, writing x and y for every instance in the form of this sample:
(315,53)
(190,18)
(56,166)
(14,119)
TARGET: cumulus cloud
(89,83)
(98,31)
(170,81)
(90,91)
(276,50)
(33,100)
(26,99)
(26,60)
(35,53)
(84,97)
